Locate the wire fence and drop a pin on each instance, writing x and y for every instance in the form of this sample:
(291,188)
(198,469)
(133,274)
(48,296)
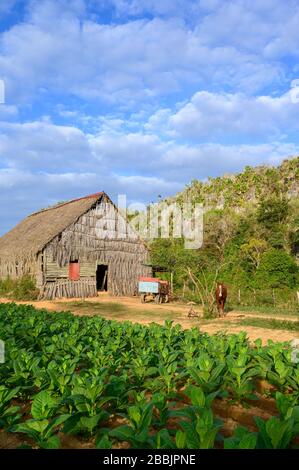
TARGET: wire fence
(256,298)
(264,297)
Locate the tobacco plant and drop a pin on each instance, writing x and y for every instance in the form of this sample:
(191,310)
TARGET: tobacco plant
(199,428)
(42,428)
(8,414)
(137,432)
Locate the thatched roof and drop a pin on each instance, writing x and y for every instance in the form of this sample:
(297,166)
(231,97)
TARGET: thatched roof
(31,235)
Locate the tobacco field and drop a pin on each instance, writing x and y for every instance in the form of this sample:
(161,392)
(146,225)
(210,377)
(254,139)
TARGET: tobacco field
(121,385)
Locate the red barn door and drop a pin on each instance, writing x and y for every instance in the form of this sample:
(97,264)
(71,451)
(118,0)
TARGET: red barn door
(74,271)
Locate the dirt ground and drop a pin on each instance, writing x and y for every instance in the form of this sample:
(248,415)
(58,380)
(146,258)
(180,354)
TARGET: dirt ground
(130,308)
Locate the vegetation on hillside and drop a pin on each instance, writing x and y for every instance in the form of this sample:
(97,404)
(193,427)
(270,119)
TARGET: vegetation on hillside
(252,237)
(249,187)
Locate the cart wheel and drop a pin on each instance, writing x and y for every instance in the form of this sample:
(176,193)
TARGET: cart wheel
(143,298)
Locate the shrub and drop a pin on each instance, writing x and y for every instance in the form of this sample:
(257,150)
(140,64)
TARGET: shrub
(277,269)
(19,289)
(6,287)
(272,212)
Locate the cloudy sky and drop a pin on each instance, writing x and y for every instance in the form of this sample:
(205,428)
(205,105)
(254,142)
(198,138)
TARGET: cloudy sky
(141,96)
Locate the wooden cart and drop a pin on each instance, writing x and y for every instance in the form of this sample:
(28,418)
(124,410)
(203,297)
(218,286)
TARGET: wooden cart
(150,288)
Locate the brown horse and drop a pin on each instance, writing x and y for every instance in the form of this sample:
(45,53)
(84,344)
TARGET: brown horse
(221,295)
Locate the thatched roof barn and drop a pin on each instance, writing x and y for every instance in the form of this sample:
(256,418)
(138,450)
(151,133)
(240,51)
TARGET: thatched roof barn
(75,249)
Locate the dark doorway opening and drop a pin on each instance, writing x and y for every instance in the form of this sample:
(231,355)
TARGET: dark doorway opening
(102,277)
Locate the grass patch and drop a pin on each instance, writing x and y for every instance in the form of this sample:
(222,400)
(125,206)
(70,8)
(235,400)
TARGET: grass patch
(266,310)
(153,314)
(116,310)
(19,289)
(82,306)
(271,324)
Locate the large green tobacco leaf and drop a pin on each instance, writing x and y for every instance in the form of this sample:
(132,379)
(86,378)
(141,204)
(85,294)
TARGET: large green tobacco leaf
(286,404)
(199,398)
(90,422)
(32,428)
(8,414)
(189,436)
(240,374)
(23,366)
(6,395)
(163,440)
(274,433)
(43,405)
(123,433)
(200,433)
(207,429)
(180,439)
(162,405)
(140,416)
(199,428)
(137,433)
(42,431)
(207,374)
(280,433)
(242,439)
(61,373)
(104,442)
(282,371)
(127,433)
(52,443)
(293,380)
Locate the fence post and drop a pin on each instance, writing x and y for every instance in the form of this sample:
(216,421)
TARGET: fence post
(239,296)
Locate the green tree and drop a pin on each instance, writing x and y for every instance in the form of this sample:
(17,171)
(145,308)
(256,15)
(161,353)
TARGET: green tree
(272,212)
(277,269)
(294,236)
(253,250)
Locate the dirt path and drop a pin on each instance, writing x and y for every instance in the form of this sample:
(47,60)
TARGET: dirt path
(266,316)
(130,308)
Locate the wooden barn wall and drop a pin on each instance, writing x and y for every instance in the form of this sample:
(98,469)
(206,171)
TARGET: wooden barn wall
(53,270)
(85,287)
(98,237)
(18,269)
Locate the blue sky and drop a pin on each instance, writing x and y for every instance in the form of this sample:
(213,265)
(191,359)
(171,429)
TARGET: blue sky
(141,96)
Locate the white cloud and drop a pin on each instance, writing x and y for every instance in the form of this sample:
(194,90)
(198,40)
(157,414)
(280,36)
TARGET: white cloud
(127,8)
(43,146)
(213,159)
(57,49)
(8,111)
(212,116)
(130,153)
(30,191)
